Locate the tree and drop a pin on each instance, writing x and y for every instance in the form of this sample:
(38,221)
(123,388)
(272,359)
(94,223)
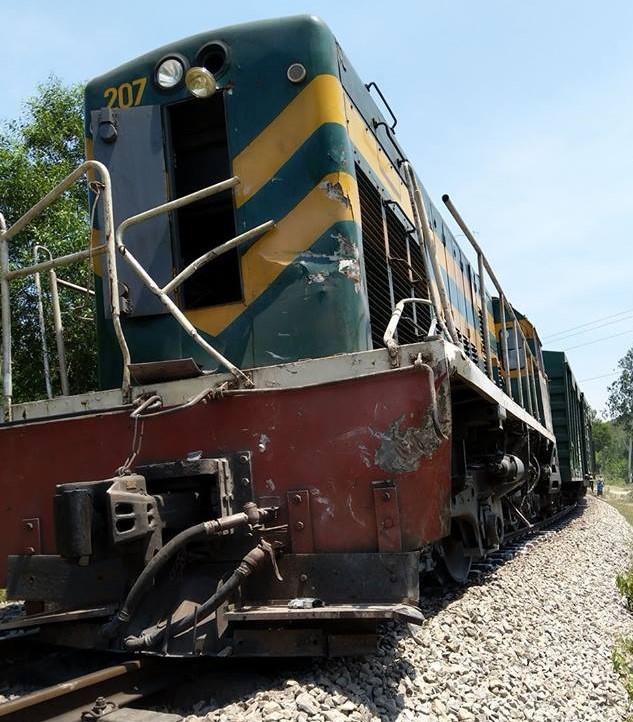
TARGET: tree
(37,151)
(620,403)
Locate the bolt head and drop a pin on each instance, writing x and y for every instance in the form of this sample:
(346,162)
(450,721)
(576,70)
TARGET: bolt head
(386,496)
(303,577)
(296,499)
(388,523)
(299,526)
(243,458)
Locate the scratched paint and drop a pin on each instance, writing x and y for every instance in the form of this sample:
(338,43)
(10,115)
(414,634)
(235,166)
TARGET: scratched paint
(335,192)
(402,450)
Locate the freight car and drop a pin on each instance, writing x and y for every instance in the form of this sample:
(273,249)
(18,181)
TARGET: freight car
(308,395)
(571,418)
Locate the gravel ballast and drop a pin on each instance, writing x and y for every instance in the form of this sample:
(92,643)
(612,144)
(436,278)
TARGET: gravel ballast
(532,642)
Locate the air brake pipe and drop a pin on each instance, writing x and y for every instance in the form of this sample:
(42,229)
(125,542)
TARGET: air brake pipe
(155,635)
(251,515)
(423,230)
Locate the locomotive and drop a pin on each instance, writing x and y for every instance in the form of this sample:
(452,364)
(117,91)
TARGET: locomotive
(309,397)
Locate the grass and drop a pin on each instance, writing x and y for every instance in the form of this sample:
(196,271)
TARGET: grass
(624,507)
(3,595)
(623,654)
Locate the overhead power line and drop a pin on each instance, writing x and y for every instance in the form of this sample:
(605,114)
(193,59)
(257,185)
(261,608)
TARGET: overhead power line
(589,330)
(597,340)
(602,376)
(588,323)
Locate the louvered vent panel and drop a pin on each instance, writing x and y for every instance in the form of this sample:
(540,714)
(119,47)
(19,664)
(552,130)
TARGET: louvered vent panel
(421,287)
(375,258)
(400,275)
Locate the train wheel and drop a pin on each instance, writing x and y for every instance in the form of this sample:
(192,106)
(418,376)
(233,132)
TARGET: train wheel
(453,565)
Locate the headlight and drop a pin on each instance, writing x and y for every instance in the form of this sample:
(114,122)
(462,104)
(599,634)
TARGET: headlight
(169,73)
(200,82)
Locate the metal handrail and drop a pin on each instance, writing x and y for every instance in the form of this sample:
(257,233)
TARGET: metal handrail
(388,337)
(108,249)
(439,294)
(532,404)
(162,293)
(114,243)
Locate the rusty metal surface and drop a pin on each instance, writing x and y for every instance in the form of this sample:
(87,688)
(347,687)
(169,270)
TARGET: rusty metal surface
(38,620)
(300,521)
(331,612)
(159,371)
(30,537)
(330,439)
(120,684)
(60,580)
(272,643)
(339,577)
(387,517)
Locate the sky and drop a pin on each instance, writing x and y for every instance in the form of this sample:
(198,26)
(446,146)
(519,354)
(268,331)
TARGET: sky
(522,112)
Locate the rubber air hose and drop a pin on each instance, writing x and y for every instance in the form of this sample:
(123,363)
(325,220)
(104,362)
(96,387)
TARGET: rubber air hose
(146,578)
(156,634)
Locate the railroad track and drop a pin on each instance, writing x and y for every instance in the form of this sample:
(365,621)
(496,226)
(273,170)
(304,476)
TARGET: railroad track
(103,695)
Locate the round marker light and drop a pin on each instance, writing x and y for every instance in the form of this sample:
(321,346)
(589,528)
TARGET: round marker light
(169,73)
(200,82)
(296,73)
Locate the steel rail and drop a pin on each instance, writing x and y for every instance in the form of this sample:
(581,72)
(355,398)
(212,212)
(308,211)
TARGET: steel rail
(120,684)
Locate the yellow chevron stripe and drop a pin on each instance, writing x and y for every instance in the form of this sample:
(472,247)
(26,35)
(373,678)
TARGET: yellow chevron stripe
(320,102)
(335,199)
(368,146)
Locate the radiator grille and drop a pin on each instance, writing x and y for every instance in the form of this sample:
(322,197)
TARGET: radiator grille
(375,258)
(393,276)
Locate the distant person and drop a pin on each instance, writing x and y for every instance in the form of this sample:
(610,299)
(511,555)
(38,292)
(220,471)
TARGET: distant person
(600,487)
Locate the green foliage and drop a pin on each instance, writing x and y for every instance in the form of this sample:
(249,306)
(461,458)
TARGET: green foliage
(625,587)
(620,400)
(37,151)
(622,656)
(610,443)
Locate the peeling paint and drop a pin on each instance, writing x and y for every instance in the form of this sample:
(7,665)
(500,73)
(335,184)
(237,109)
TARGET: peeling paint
(323,501)
(270,484)
(317,277)
(350,268)
(335,192)
(401,451)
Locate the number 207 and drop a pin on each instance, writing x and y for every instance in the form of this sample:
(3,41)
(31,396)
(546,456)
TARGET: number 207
(127,94)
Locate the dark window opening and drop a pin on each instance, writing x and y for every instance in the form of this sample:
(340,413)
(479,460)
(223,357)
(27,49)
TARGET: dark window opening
(200,158)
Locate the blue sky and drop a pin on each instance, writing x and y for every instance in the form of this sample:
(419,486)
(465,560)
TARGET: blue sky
(523,112)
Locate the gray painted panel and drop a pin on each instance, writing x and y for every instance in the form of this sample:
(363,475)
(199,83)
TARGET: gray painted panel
(136,163)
